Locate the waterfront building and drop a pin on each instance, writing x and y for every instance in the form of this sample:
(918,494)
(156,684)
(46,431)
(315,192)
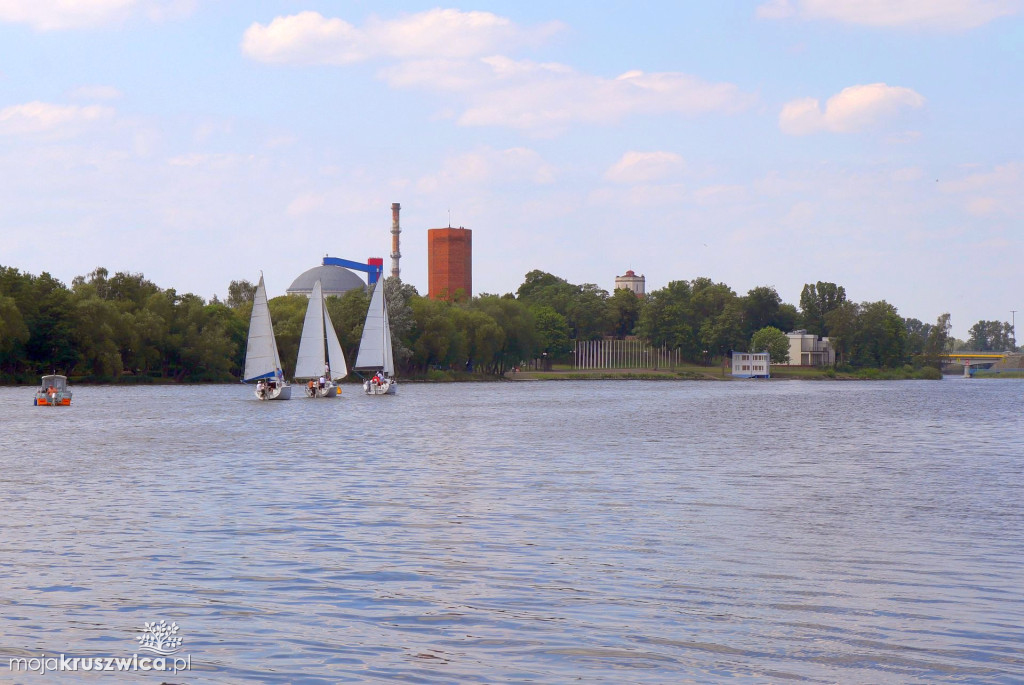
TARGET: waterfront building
(750,365)
(807,349)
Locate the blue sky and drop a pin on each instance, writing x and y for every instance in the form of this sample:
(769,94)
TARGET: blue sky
(873,143)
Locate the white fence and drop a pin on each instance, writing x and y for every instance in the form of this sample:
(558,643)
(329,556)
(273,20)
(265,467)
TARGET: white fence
(623,354)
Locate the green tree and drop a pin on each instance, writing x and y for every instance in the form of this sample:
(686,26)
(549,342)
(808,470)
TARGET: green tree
(762,308)
(917,337)
(240,292)
(938,342)
(667,320)
(585,307)
(99,327)
(398,296)
(13,334)
(589,316)
(842,325)
(434,339)
(624,312)
(483,338)
(773,341)
(542,288)
(879,338)
(51,343)
(991,336)
(515,320)
(817,300)
(552,332)
(724,332)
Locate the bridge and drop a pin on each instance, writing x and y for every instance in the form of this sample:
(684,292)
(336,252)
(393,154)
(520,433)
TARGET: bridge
(973,361)
(969,358)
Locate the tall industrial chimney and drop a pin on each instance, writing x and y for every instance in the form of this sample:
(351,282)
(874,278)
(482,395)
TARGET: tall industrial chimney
(395,230)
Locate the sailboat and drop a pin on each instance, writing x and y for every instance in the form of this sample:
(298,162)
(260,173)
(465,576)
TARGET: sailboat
(321,359)
(375,352)
(262,362)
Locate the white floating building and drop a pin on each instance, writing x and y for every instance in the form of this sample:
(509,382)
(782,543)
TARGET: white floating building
(750,365)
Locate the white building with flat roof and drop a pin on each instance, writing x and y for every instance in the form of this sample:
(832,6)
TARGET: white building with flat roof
(807,349)
(630,281)
(750,365)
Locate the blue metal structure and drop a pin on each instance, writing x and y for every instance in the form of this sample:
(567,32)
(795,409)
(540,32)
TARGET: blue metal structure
(373,271)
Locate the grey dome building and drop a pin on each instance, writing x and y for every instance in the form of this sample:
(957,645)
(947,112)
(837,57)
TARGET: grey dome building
(334,280)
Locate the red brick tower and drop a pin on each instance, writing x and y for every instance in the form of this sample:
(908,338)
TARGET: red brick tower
(450,262)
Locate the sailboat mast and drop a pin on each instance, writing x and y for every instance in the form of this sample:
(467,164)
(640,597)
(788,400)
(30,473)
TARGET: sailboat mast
(327,350)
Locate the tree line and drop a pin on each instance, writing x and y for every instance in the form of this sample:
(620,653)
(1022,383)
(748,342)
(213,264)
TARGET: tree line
(123,327)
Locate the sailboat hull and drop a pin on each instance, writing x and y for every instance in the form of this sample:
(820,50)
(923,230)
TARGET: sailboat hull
(316,392)
(283,392)
(386,387)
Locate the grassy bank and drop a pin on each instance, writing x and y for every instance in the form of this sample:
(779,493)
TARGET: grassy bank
(1014,373)
(696,372)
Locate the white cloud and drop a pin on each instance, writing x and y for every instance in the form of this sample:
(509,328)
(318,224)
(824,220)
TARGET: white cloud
(776,9)
(990,192)
(645,196)
(306,203)
(218,161)
(722,194)
(304,38)
(55,15)
(487,166)
(310,38)
(42,117)
(644,167)
(96,93)
(548,97)
(907,174)
(451,33)
(934,14)
(982,206)
(453,51)
(853,109)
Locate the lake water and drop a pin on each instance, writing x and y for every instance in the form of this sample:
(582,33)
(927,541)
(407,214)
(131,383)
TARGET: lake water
(646,532)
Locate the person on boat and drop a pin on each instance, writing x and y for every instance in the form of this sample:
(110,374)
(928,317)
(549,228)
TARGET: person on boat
(309,387)
(323,382)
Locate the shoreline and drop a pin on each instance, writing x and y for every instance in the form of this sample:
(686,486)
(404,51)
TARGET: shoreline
(704,374)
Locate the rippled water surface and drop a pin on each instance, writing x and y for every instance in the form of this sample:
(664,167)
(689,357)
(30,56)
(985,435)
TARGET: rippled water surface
(602,531)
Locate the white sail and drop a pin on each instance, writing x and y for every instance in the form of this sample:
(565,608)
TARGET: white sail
(389,355)
(310,363)
(375,345)
(335,355)
(261,358)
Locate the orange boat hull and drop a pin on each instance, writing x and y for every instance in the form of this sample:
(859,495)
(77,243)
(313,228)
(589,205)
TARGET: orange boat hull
(65,402)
